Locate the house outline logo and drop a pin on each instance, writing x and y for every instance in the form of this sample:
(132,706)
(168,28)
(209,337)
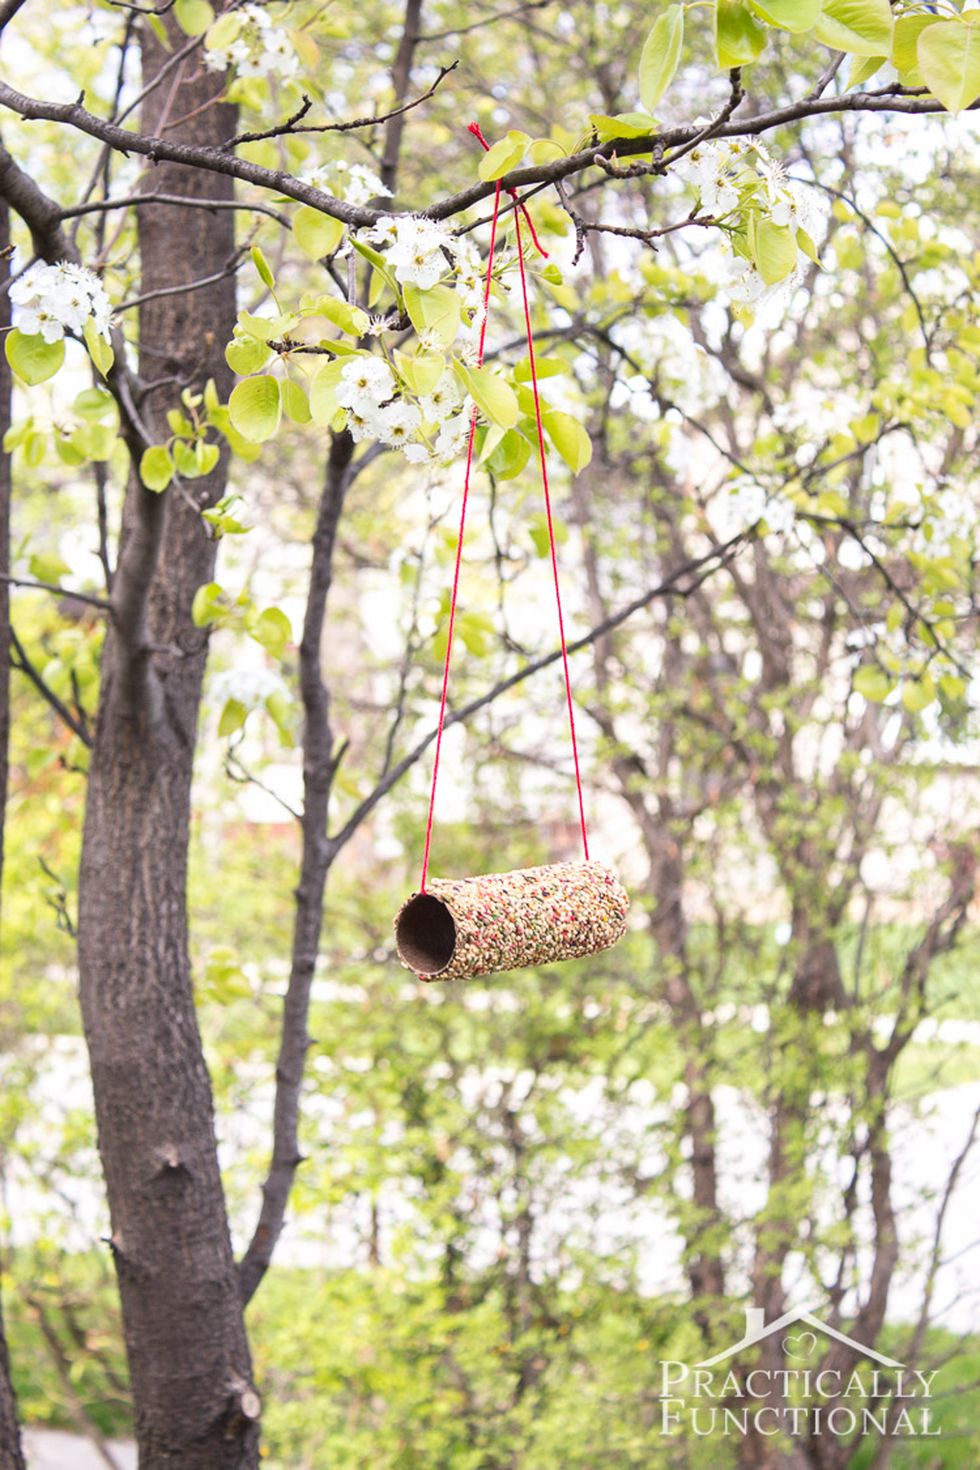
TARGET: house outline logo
(718,1396)
(756,1329)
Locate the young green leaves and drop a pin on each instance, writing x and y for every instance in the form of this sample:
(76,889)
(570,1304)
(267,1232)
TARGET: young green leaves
(660,56)
(949,60)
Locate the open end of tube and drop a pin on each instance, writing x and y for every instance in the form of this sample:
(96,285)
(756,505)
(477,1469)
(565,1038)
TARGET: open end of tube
(426,934)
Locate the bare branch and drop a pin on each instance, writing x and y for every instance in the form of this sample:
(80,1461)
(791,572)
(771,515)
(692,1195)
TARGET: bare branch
(24,664)
(86,597)
(218,160)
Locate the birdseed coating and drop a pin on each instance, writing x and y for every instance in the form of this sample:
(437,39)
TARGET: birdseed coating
(532,916)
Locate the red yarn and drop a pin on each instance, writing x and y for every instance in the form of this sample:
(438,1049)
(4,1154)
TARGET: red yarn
(474,128)
(459,548)
(551,535)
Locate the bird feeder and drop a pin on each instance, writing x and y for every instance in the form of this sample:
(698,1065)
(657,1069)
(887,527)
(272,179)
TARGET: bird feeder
(456,928)
(463,927)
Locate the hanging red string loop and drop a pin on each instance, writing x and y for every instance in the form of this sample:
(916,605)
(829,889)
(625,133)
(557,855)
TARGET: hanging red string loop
(459,548)
(519,211)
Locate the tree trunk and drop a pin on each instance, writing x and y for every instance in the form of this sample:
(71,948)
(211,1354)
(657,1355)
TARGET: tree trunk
(11,1457)
(189,1360)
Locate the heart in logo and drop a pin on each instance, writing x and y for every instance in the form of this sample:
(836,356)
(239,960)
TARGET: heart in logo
(799,1344)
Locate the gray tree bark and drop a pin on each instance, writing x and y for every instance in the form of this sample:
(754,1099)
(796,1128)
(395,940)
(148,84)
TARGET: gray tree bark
(11,1455)
(194,1403)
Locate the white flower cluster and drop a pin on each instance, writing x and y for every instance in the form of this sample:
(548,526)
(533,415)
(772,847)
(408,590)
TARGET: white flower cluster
(749,503)
(55,299)
(251,687)
(417,248)
(353,182)
(368,391)
(732,172)
(420,252)
(261,48)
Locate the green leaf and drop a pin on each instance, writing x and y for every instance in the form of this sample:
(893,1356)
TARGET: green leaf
(317,234)
(33,359)
(434,312)
(33,448)
(660,55)
(544,367)
(207,456)
(245,355)
(540,535)
(99,350)
(226,29)
(624,125)
(508,458)
(788,15)
(295,404)
(265,328)
(545,150)
(570,439)
(156,467)
(477,632)
(93,403)
(420,371)
(233,717)
(774,250)
(860,27)
(67,452)
(350,319)
(918,693)
(503,156)
(905,46)
(949,60)
(207,605)
(323,391)
(377,260)
(873,683)
(864,67)
(739,38)
(280,709)
(273,630)
(806,244)
(47,567)
(263,267)
(495,398)
(186,460)
(255,406)
(193,16)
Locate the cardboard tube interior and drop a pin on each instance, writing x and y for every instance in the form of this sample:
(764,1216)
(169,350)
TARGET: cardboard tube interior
(425,933)
(463,927)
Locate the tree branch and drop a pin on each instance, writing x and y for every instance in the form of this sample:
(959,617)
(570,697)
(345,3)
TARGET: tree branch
(23,663)
(676,585)
(217,160)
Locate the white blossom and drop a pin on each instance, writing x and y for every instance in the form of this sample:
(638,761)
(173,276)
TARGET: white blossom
(747,504)
(780,515)
(54,299)
(454,434)
(353,182)
(396,423)
(260,48)
(416,247)
(444,399)
(365,383)
(250,687)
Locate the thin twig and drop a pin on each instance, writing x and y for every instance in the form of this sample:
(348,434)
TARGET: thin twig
(23,663)
(291,126)
(99,602)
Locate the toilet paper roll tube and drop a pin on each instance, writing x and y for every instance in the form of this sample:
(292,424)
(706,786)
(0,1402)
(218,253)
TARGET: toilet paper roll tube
(462,927)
